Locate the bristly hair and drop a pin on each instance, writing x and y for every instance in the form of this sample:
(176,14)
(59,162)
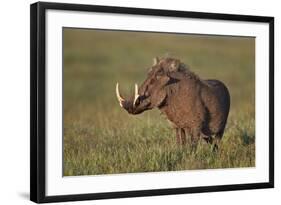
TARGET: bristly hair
(175,65)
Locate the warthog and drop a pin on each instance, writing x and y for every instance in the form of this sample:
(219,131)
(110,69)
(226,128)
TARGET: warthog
(195,107)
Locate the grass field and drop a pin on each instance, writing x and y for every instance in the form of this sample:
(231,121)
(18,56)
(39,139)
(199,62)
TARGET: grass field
(102,138)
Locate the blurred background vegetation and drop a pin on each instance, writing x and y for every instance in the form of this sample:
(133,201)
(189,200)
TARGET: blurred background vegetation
(102,138)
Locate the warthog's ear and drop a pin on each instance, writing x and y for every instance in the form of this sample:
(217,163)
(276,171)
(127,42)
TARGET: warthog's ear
(174,65)
(155,61)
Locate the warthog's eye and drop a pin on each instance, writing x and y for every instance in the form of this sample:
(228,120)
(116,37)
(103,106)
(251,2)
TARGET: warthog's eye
(160,71)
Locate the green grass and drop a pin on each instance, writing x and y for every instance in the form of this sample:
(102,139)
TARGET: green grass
(101,138)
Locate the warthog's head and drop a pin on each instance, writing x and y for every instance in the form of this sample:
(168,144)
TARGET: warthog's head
(153,91)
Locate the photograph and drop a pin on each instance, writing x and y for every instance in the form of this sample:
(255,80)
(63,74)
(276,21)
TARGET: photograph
(142,101)
(134,102)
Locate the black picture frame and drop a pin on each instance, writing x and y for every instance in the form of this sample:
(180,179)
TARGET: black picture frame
(38,101)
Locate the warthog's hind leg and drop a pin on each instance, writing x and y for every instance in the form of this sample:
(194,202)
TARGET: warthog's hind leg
(217,140)
(195,136)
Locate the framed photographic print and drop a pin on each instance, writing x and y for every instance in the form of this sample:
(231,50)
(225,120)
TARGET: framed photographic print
(129,102)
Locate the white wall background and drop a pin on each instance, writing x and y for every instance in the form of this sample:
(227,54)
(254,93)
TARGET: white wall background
(14,101)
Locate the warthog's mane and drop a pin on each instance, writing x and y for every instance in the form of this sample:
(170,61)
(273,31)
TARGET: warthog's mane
(175,65)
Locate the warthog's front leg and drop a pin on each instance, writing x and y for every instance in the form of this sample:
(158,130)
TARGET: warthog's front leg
(181,137)
(178,135)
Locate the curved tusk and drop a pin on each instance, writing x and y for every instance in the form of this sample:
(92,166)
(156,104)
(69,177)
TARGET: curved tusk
(120,99)
(136,93)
